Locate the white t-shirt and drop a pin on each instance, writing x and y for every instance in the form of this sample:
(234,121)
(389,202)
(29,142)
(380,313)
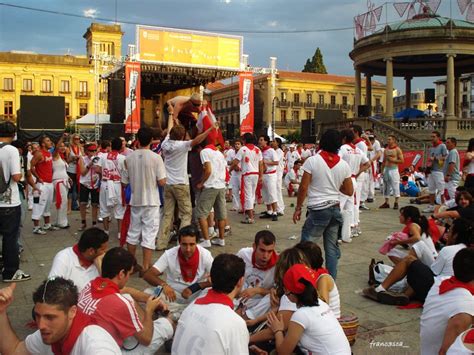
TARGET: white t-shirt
(255,277)
(291,157)
(176,160)
(458,347)
(305,154)
(425,250)
(230,156)
(292,175)
(443,265)
(218,168)
(353,156)
(92,340)
(376,147)
(91,179)
(325,182)
(10,160)
(322,332)
(362,146)
(144,169)
(112,169)
(66,264)
(210,329)
(169,264)
(334,298)
(249,159)
(269,155)
(437,311)
(281,160)
(287,305)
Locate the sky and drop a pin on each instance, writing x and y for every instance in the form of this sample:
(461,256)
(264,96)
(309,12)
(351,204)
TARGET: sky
(318,23)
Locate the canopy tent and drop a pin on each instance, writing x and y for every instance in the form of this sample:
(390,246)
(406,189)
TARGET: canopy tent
(270,133)
(409,113)
(89,119)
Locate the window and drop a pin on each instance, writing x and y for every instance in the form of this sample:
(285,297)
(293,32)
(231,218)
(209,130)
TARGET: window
(83,86)
(65,86)
(333,99)
(226,103)
(321,99)
(344,100)
(8,84)
(283,115)
(107,47)
(308,115)
(296,97)
(309,98)
(296,116)
(8,109)
(377,102)
(67,109)
(46,85)
(82,109)
(27,84)
(283,96)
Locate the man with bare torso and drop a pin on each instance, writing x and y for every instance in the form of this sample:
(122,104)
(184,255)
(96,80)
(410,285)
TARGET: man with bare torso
(182,108)
(393,156)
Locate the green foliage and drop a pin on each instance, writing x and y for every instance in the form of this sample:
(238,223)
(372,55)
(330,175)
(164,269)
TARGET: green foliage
(294,136)
(316,64)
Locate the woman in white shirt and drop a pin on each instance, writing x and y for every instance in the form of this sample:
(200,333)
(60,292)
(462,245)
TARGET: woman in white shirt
(313,327)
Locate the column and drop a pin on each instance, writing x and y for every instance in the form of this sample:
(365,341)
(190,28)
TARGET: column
(450,86)
(457,97)
(408,91)
(357,91)
(389,88)
(368,92)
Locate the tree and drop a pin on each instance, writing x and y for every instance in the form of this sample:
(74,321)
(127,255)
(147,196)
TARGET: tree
(316,64)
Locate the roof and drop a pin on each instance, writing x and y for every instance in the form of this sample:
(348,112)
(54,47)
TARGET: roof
(215,86)
(48,59)
(89,119)
(330,78)
(427,22)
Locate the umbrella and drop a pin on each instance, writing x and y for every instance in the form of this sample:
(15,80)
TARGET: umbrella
(409,113)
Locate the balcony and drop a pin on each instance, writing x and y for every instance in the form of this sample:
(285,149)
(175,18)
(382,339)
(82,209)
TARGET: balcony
(290,124)
(309,105)
(296,104)
(283,104)
(83,94)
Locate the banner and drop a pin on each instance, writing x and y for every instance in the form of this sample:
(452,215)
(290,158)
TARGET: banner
(415,157)
(132,97)
(246,102)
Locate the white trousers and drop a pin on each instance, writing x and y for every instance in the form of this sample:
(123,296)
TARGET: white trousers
(61,212)
(43,207)
(144,226)
(162,331)
(347,210)
(391,182)
(281,203)
(111,202)
(235,181)
(269,188)
(250,187)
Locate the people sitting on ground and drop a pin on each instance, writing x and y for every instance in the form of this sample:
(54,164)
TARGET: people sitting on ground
(187,268)
(293,178)
(313,327)
(210,324)
(464,344)
(81,262)
(113,306)
(464,208)
(62,327)
(260,261)
(409,188)
(449,307)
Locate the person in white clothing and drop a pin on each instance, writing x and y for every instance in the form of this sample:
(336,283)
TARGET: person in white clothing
(463,345)
(61,185)
(235,175)
(291,156)
(270,176)
(210,325)
(89,183)
(145,171)
(251,162)
(363,143)
(81,262)
(392,158)
(260,261)
(187,268)
(61,326)
(468,166)
(276,144)
(313,327)
(436,184)
(449,307)
(374,155)
(112,166)
(305,152)
(293,179)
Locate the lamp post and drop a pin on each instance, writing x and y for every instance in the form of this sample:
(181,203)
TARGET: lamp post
(96,91)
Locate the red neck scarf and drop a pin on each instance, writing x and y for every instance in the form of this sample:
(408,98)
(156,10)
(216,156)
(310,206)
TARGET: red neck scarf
(63,156)
(65,346)
(101,287)
(210,146)
(453,283)
(215,297)
(271,263)
(331,159)
(407,228)
(266,148)
(321,271)
(436,144)
(393,147)
(188,267)
(299,151)
(82,260)
(358,140)
(351,145)
(113,155)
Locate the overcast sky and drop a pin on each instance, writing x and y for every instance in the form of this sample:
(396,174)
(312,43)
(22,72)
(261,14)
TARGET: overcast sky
(22,29)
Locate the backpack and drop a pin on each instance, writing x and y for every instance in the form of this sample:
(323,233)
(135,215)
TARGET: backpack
(4,185)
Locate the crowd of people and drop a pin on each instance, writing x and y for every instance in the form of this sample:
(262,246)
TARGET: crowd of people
(168,192)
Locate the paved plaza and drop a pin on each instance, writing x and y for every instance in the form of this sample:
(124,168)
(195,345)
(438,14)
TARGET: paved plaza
(383,329)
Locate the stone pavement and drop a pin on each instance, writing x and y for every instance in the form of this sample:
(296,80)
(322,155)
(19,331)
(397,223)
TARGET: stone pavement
(383,329)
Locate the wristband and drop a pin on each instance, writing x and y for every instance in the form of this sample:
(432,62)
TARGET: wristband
(195,287)
(279,330)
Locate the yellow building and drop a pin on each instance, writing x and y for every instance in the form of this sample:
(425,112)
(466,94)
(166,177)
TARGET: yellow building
(297,96)
(26,73)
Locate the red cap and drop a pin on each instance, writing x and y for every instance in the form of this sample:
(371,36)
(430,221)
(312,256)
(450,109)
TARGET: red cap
(292,277)
(92,147)
(469,337)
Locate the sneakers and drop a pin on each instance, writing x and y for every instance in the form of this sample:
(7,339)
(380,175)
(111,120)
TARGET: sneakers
(38,230)
(275,218)
(248,221)
(369,200)
(354,232)
(429,209)
(19,276)
(386,297)
(385,205)
(266,215)
(205,244)
(358,230)
(218,241)
(363,207)
(50,227)
(347,241)
(214,234)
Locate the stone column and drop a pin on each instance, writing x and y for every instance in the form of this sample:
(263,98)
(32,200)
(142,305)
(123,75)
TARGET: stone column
(408,91)
(357,91)
(389,88)
(450,90)
(457,97)
(368,92)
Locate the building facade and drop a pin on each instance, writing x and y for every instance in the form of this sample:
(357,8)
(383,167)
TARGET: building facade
(417,101)
(297,97)
(464,95)
(27,73)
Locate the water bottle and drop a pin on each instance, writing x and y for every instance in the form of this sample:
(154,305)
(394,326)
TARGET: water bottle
(36,196)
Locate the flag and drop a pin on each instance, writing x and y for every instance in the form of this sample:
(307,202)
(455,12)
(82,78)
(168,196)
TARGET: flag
(206,119)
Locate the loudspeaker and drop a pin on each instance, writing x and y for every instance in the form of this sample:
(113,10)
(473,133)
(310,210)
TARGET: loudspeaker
(308,131)
(112,130)
(41,113)
(363,111)
(230,128)
(429,96)
(116,97)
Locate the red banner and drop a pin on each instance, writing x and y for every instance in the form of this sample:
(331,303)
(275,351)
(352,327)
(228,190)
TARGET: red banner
(132,97)
(246,102)
(410,155)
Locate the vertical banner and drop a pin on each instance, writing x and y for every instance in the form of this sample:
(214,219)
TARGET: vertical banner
(246,102)
(132,97)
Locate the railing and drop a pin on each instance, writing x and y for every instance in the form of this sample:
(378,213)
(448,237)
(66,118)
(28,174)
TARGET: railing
(297,104)
(309,105)
(465,124)
(287,124)
(83,94)
(418,124)
(284,104)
